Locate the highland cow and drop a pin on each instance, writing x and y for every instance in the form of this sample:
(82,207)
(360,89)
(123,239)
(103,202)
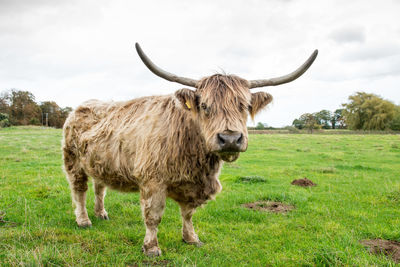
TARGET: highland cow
(162,146)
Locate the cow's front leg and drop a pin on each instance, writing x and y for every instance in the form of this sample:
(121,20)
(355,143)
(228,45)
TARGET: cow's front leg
(188,234)
(100,193)
(152,201)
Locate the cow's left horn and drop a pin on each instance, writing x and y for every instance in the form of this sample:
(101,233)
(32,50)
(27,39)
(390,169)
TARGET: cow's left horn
(287,78)
(162,73)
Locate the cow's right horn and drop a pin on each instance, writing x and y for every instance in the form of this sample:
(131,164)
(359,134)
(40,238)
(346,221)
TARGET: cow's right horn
(287,78)
(162,73)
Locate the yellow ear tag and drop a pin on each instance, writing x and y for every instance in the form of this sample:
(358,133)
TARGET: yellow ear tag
(188,105)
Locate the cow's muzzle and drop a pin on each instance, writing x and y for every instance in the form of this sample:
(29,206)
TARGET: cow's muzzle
(229,141)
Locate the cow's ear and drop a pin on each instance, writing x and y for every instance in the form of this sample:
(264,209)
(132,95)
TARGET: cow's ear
(258,101)
(188,98)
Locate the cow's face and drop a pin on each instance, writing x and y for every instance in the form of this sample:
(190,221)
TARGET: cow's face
(221,105)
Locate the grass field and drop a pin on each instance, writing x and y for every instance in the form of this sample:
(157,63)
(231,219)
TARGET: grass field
(357,197)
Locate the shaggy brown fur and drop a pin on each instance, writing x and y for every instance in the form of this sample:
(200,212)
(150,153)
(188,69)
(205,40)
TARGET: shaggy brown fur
(162,146)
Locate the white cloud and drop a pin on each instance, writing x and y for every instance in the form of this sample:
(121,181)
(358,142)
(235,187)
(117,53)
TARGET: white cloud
(70,51)
(349,35)
(372,52)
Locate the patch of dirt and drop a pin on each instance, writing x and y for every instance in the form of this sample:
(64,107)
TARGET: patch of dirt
(381,246)
(303,182)
(271,206)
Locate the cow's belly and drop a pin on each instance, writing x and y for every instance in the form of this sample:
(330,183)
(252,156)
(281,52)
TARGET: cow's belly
(105,173)
(115,180)
(123,186)
(194,194)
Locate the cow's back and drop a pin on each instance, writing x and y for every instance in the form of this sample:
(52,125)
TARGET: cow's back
(92,140)
(124,142)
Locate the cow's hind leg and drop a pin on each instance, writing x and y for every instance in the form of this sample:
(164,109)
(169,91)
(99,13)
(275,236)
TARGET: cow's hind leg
(100,193)
(188,234)
(152,201)
(77,179)
(78,183)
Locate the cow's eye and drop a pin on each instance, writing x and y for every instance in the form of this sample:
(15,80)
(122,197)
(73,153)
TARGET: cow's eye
(203,106)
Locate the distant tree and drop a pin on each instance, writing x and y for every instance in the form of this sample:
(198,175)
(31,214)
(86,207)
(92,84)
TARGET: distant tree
(315,120)
(299,124)
(56,116)
(395,123)
(260,126)
(310,122)
(368,112)
(52,112)
(64,114)
(323,118)
(22,107)
(4,103)
(342,120)
(337,118)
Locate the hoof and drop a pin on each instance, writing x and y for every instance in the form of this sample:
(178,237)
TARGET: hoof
(102,215)
(152,252)
(84,223)
(197,243)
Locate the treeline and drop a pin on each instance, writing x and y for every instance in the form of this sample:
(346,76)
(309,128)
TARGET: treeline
(20,108)
(363,112)
(323,119)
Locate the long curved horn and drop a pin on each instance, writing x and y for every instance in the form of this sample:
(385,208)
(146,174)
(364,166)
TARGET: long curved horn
(287,78)
(162,73)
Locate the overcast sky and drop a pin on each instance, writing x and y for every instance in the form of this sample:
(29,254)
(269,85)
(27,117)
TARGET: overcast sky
(72,51)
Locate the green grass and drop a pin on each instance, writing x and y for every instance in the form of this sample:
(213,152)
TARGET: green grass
(357,197)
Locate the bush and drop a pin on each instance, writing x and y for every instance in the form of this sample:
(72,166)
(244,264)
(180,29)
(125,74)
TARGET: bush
(291,129)
(260,126)
(3,116)
(4,122)
(34,121)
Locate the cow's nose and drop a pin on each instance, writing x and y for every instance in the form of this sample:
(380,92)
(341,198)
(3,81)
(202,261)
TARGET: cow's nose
(230,141)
